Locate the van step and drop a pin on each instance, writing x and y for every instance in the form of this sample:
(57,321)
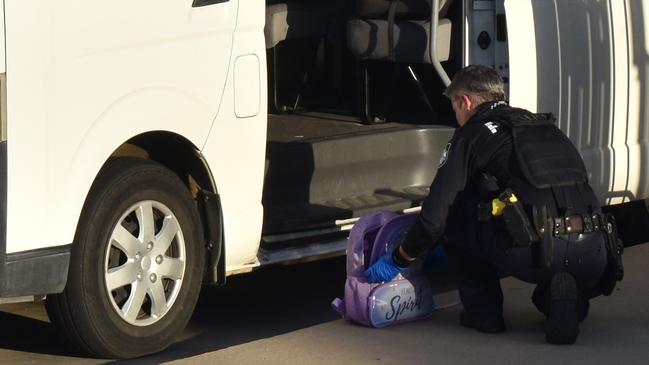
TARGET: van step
(286,218)
(321,170)
(304,253)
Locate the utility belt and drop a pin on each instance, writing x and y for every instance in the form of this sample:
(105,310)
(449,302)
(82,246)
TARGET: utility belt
(525,232)
(580,224)
(539,232)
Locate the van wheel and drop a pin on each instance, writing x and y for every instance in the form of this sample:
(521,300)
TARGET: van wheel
(136,266)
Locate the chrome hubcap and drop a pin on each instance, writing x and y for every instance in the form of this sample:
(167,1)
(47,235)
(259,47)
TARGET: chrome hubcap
(145,263)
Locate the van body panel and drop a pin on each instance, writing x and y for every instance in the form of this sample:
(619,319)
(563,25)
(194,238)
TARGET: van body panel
(576,65)
(637,130)
(236,147)
(81,81)
(522,65)
(2,37)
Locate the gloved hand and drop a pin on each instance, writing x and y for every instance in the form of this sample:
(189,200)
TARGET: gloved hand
(383,270)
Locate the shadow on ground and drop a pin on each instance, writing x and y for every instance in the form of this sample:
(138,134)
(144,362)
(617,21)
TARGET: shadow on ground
(25,334)
(266,303)
(282,315)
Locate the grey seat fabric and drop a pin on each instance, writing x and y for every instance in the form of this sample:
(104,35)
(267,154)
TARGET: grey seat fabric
(411,9)
(398,32)
(296,20)
(368,33)
(368,39)
(378,9)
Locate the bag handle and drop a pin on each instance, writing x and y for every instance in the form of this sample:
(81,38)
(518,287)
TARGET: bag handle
(389,232)
(362,237)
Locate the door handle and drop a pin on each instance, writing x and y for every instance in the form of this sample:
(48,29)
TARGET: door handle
(199,3)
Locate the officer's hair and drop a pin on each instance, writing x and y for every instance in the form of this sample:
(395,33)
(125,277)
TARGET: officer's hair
(480,83)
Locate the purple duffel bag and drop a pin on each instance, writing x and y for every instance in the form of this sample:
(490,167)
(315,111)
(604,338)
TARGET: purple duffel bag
(407,297)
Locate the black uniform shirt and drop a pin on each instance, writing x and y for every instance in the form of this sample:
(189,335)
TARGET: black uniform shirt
(479,146)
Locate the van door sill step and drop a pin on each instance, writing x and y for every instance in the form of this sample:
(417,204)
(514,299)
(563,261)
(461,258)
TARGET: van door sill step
(322,214)
(305,253)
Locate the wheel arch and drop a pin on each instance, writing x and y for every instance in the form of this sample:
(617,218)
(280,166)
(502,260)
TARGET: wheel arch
(174,152)
(186,161)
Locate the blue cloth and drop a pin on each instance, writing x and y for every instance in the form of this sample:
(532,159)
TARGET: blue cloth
(383,270)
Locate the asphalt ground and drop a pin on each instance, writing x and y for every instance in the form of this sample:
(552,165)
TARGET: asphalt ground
(281,315)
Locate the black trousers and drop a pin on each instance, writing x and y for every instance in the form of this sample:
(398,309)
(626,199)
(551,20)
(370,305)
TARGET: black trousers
(480,253)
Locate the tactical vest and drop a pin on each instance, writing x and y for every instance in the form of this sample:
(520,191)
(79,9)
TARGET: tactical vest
(545,155)
(552,184)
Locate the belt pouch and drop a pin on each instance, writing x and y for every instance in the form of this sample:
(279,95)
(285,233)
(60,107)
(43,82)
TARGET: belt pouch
(518,225)
(543,249)
(614,269)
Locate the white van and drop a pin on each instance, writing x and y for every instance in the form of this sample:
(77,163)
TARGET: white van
(151,146)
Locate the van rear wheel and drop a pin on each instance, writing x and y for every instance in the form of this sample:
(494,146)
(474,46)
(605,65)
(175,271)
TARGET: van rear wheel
(136,264)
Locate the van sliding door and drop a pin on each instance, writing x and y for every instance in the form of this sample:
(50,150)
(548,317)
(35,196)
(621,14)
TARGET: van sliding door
(569,58)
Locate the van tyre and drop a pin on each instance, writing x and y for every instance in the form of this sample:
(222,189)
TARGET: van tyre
(136,265)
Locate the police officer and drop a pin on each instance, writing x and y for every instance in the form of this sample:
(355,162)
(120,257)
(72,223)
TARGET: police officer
(480,164)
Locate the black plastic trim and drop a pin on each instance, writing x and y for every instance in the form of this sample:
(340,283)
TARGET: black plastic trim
(501,28)
(212,216)
(35,272)
(199,3)
(631,218)
(3,201)
(43,271)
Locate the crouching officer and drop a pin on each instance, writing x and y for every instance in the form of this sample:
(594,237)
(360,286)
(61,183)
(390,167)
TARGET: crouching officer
(511,197)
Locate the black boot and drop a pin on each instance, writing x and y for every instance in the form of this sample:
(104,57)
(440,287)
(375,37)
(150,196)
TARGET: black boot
(482,323)
(562,323)
(541,299)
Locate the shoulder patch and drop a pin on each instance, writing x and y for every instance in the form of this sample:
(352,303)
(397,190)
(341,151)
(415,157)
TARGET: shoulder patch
(442,160)
(493,127)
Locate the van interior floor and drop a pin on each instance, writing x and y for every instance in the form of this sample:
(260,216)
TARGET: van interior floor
(305,127)
(323,168)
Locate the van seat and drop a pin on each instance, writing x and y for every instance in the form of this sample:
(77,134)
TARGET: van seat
(368,39)
(411,9)
(292,20)
(397,32)
(367,33)
(304,24)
